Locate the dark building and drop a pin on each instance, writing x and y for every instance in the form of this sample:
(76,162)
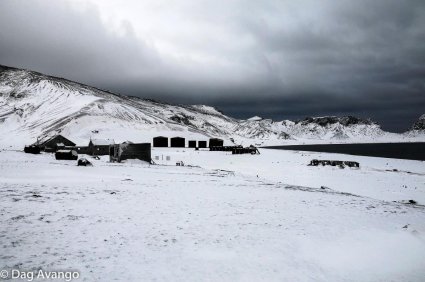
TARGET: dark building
(202,144)
(192,144)
(100,147)
(128,150)
(216,142)
(178,142)
(83,150)
(66,155)
(160,141)
(51,144)
(32,149)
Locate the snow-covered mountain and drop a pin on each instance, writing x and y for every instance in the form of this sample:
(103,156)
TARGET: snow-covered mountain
(34,105)
(419,125)
(336,128)
(417,129)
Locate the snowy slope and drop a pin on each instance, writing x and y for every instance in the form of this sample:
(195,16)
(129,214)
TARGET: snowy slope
(34,105)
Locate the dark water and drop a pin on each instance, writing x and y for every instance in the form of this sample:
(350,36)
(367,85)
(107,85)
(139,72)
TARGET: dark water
(409,151)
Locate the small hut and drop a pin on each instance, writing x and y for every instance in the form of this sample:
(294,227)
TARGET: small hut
(178,142)
(216,142)
(160,141)
(192,143)
(100,147)
(66,155)
(32,149)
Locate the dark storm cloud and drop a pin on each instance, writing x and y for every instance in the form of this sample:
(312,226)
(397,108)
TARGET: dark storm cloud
(295,107)
(278,59)
(51,37)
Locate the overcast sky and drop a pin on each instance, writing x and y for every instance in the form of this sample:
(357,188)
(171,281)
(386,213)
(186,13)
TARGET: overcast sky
(277,59)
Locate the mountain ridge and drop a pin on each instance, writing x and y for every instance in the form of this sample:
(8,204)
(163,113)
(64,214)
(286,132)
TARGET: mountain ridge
(33,105)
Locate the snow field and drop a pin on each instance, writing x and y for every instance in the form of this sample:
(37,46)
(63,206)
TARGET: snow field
(138,222)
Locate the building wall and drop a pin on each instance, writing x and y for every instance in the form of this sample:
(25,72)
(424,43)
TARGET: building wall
(141,151)
(83,150)
(99,150)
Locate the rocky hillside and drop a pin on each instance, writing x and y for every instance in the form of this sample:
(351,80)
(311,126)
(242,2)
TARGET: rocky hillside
(34,105)
(419,125)
(417,130)
(336,128)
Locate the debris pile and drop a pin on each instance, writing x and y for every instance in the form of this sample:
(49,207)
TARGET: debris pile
(248,150)
(84,162)
(225,148)
(236,149)
(341,164)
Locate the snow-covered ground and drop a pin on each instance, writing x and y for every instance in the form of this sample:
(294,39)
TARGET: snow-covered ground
(378,178)
(216,220)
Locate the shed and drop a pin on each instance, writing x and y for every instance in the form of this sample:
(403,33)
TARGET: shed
(128,150)
(32,149)
(202,144)
(66,155)
(178,142)
(160,141)
(192,143)
(216,142)
(51,144)
(100,147)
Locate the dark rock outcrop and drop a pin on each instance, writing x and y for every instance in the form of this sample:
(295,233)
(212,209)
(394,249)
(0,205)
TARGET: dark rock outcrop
(419,125)
(345,121)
